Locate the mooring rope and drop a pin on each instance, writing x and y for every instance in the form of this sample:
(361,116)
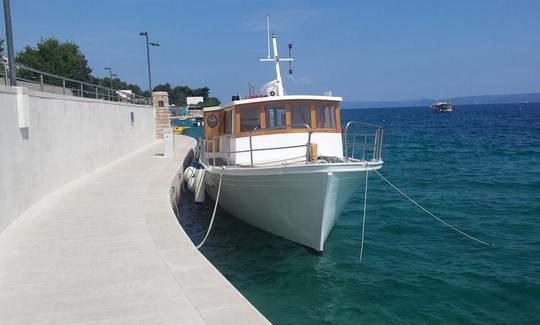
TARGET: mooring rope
(431,214)
(175,206)
(213,214)
(364,218)
(181,189)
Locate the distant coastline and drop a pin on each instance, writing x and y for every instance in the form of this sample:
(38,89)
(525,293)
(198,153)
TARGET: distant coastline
(469,100)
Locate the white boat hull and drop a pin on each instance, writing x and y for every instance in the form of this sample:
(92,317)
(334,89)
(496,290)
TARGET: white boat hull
(299,203)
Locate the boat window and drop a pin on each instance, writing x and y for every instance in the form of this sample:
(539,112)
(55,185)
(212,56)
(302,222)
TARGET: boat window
(275,117)
(326,116)
(249,119)
(228,123)
(301,115)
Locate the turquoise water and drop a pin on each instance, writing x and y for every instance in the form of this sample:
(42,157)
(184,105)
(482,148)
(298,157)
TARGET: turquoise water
(478,168)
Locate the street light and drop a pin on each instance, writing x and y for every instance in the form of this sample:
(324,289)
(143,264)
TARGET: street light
(9,39)
(110,77)
(145,34)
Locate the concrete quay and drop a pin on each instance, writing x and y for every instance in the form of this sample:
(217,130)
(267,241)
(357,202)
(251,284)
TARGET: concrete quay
(107,248)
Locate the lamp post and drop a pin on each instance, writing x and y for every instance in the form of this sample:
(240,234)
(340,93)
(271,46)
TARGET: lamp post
(110,78)
(110,75)
(9,39)
(148,44)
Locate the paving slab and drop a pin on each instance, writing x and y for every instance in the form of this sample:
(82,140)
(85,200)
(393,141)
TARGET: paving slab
(108,249)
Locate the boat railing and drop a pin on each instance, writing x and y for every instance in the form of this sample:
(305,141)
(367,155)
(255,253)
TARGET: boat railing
(362,141)
(211,156)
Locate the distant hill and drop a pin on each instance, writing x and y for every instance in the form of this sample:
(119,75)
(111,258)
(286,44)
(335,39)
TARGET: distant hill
(469,100)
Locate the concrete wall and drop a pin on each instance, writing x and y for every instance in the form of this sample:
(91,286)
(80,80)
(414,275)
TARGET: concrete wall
(67,137)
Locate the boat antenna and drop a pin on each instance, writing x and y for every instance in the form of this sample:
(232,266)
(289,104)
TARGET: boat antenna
(279,89)
(268,35)
(251,86)
(290,55)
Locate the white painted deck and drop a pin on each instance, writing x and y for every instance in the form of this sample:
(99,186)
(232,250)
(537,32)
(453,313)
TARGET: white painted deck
(107,248)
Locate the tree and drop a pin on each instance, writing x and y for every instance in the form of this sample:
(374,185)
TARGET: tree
(212,101)
(163,87)
(178,94)
(50,55)
(65,59)
(117,84)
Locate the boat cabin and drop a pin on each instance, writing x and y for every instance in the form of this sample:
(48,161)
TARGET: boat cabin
(269,130)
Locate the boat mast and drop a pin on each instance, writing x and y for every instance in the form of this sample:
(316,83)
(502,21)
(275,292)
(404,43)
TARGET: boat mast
(268,35)
(279,83)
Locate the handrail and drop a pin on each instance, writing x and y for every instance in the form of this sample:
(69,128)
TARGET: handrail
(251,150)
(375,140)
(80,88)
(377,145)
(261,149)
(361,123)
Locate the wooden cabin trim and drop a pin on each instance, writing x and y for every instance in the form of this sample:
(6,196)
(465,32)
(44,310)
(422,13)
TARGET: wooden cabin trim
(338,117)
(262,107)
(288,116)
(313,111)
(281,131)
(236,120)
(262,116)
(215,132)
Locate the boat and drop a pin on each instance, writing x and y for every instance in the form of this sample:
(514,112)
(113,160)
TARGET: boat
(180,129)
(441,107)
(283,163)
(198,121)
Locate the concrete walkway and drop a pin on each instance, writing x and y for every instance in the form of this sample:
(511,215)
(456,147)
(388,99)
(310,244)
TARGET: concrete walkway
(107,248)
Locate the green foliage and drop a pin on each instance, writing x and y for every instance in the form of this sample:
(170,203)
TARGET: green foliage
(66,60)
(212,101)
(117,84)
(50,55)
(178,94)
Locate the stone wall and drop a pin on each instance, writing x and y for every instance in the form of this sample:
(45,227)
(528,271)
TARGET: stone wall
(160,99)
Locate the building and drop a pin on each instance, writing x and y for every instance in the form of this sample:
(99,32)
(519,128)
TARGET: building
(194,101)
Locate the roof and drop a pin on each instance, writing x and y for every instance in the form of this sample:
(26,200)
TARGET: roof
(272,99)
(212,108)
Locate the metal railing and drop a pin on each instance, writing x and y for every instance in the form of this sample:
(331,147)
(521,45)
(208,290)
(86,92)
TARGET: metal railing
(363,142)
(208,156)
(52,83)
(365,145)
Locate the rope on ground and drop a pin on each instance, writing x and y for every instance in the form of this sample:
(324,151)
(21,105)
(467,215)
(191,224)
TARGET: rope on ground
(431,214)
(364,218)
(213,214)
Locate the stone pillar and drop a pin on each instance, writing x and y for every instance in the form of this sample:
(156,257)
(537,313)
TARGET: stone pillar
(160,100)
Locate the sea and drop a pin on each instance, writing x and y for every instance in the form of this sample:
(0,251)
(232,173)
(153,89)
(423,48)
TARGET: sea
(477,168)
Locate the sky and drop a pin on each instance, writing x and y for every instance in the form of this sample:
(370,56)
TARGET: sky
(361,50)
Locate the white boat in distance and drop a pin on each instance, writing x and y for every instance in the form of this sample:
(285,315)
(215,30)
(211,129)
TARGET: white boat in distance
(281,160)
(442,107)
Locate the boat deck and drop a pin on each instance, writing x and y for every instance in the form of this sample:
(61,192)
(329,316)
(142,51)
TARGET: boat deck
(107,248)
